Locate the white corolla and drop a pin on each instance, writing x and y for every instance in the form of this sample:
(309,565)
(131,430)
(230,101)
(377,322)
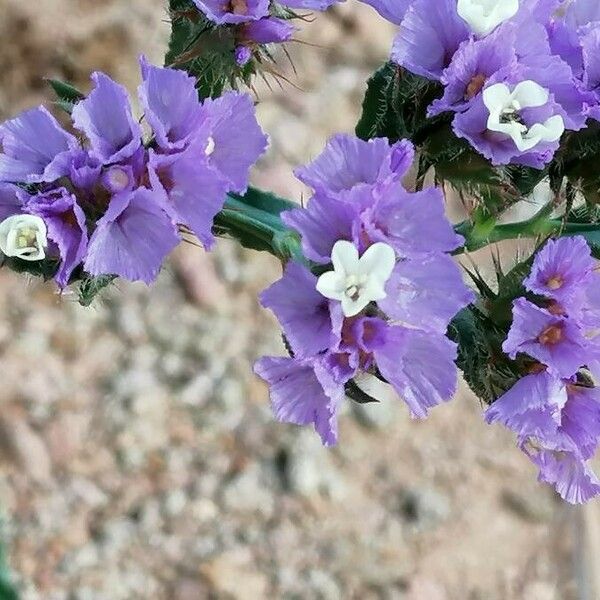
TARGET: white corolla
(23,236)
(483,16)
(505,108)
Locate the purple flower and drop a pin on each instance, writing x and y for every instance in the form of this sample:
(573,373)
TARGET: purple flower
(233,11)
(132,239)
(385,305)
(348,161)
(67,228)
(562,270)
(34,147)
(303,393)
(10,201)
(554,340)
(105,118)
(558,427)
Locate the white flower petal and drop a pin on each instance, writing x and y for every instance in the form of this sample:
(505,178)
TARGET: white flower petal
(378,262)
(496,97)
(483,16)
(332,285)
(344,257)
(23,236)
(530,94)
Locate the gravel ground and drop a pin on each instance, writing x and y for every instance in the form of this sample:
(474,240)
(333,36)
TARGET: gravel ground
(139,456)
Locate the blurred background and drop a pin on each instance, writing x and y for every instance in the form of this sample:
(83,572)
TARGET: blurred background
(139,458)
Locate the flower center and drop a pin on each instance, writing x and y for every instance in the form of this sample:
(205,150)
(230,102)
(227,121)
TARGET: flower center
(555,283)
(26,238)
(551,335)
(237,7)
(354,286)
(475,86)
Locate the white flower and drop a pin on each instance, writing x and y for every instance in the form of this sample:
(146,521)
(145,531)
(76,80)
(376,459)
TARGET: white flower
(357,281)
(483,16)
(504,107)
(23,236)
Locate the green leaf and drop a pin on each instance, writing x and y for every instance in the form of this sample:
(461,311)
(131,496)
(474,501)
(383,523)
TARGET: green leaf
(68,96)
(90,287)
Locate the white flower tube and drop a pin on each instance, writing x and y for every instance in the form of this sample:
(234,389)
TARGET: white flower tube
(24,236)
(483,16)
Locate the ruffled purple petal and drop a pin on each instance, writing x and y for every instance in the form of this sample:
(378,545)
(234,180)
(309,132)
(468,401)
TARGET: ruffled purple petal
(105,118)
(555,341)
(426,293)
(303,393)
(67,228)
(132,239)
(392,10)
(171,106)
(237,137)
(233,11)
(34,146)
(420,367)
(302,312)
(10,201)
(195,192)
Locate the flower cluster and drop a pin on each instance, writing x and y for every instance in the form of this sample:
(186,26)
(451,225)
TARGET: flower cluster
(555,409)
(116,205)
(255,22)
(384,293)
(514,74)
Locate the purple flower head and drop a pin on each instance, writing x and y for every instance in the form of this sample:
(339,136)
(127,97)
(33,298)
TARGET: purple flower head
(171,106)
(348,161)
(34,148)
(554,340)
(105,118)
(513,123)
(557,424)
(233,11)
(67,228)
(230,119)
(561,271)
(132,239)
(84,169)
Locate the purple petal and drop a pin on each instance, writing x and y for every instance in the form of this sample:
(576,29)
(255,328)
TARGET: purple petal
(233,11)
(392,10)
(267,31)
(430,34)
(302,312)
(420,367)
(171,106)
(581,419)
(414,224)
(105,118)
(132,239)
(34,144)
(10,202)
(67,228)
(303,393)
(238,139)
(309,4)
(572,477)
(325,221)
(532,407)
(195,191)
(426,293)
(348,161)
